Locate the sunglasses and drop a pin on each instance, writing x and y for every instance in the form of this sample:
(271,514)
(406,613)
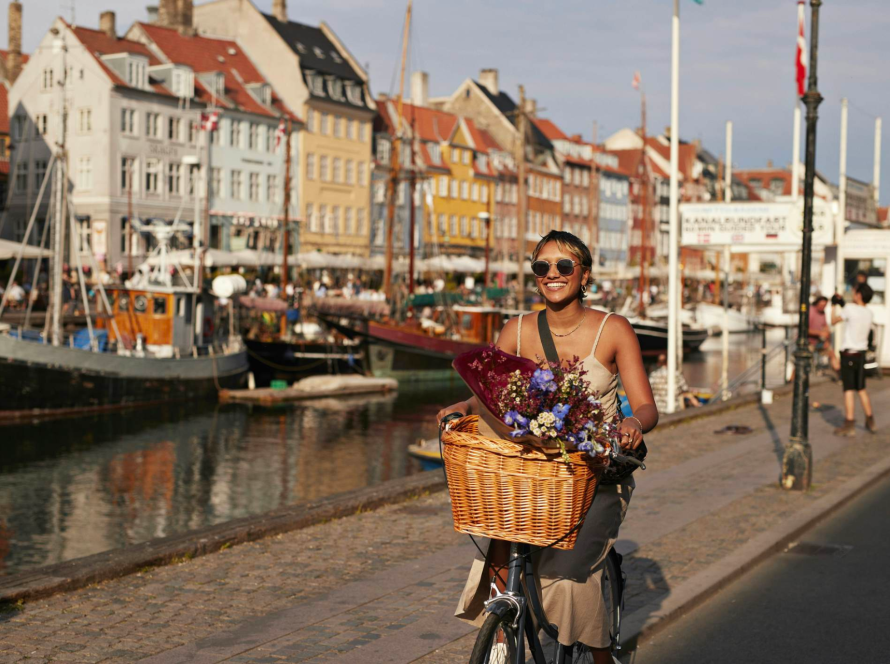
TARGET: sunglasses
(564,266)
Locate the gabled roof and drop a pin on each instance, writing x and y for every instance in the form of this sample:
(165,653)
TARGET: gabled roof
(629,161)
(204,55)
(550,130)
(505,104)
(97,43)
(315,50)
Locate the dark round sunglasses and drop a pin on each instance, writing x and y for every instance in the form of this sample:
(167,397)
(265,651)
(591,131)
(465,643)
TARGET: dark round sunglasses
(564,266)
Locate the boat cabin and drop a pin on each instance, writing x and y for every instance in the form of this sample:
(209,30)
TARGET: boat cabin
(160,320)
(479,325)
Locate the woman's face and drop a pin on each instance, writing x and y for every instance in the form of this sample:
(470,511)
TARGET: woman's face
(555,287)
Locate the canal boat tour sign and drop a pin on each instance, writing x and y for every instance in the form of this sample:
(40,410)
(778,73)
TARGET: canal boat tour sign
(752,226)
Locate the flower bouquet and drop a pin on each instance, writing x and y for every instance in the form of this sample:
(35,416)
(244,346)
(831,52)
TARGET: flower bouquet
(545,404)
(526,468)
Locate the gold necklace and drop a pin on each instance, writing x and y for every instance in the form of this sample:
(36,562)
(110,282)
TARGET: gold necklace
(575,329)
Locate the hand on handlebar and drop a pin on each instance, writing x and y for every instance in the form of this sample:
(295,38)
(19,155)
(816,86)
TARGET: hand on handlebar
(459,410)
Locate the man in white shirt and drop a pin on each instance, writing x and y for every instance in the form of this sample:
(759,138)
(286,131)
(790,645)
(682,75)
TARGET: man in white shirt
(857,319)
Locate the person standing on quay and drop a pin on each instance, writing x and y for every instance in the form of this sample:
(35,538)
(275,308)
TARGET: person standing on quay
(857,319)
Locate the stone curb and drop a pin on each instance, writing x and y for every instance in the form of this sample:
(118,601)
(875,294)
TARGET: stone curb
(647,621)
(81,572)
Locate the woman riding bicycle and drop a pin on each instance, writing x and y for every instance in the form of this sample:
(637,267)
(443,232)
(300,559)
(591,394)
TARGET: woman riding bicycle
(571,580)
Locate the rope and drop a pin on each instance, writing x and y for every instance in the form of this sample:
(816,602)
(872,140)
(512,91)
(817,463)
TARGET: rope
(283,368)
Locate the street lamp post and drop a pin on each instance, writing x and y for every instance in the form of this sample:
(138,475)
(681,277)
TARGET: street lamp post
(486,222)
(797,462)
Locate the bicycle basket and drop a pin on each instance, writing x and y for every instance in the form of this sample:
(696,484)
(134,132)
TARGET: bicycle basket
(515,492)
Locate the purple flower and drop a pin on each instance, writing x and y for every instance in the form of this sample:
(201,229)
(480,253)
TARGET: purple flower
(561,410)
(585,447)
(542,380)
(512,417)
(518,432)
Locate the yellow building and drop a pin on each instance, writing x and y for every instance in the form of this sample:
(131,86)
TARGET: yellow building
(317,76)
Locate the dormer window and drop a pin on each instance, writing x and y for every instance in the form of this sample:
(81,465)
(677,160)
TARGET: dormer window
(132,68)
(482,162)
(183,83)
(335,88)
(354,94)
(435,152)
(300,47)
(336,57)
(218,84)
(318,52)
(136,74)
(316,84)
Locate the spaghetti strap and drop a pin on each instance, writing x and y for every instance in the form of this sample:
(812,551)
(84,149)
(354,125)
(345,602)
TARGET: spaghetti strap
(519,337)
(600,332)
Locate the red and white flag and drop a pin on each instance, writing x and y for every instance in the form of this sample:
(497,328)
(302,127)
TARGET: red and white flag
(210,121)
(279,134)
(801,59)
(637,80)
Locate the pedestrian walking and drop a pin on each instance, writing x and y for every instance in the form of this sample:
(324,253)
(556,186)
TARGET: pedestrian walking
(857,320)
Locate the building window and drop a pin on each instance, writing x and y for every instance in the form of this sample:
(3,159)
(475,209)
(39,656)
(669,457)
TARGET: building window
(19,122)
(174,178)
(254,187)
(466,157)
(333,225)
(455,155)
(46,80)
(347,221)
(235,133)
(379,192)
(325,120)
(216,182)
(384,148)
(39,173)
(41,124)
(350,171)
(310,166)
(153,125)
(350,129)
(777,186)
(253,136)
(484,193)
(236,185)
(453,226)
(21,177)
(443,186)
(322,218)
(567,175)
(338,126)
(464,190)
(585,178)
(84,120)
(361,174)
(323,174)
(455,189)
(360,221)
(363,131)
(128,170)
(310,120)
(152,176)
(474,193)
(84,173)
(435,152)
(337,174)
(272,189)
(193,132)
(174,129)
(464,227)
(443,224)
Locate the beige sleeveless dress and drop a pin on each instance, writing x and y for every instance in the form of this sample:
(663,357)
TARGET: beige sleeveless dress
(571,580)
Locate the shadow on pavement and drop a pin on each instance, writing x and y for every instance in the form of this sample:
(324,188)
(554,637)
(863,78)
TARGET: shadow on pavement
(778,445)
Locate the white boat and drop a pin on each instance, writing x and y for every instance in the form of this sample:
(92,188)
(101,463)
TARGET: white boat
(774,314)
(711,316)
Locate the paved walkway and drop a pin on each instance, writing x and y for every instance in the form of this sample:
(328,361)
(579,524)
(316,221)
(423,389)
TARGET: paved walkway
(381,586)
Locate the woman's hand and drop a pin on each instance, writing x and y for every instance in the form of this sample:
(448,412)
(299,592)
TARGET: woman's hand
(630,435)
(460,407)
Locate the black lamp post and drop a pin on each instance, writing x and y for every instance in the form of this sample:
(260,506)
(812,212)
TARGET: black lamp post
(797,462)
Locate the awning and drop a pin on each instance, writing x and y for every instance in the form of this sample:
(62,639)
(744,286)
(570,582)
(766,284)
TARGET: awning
(9,249)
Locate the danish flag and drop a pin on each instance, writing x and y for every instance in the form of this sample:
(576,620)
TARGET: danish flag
(801,59)
(636,81)
(210,121)
(279,134)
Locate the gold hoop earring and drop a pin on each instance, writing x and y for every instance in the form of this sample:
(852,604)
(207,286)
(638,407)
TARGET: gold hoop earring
(583,290)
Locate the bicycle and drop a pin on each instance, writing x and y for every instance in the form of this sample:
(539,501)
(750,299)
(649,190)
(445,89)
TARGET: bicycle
(514,612)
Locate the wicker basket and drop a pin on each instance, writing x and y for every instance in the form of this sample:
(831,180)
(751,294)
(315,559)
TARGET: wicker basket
(515,492)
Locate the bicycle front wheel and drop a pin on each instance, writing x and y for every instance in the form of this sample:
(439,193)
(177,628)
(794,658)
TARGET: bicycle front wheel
(496,642)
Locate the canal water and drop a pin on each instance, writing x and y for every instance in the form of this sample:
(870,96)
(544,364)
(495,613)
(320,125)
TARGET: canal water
(78,486)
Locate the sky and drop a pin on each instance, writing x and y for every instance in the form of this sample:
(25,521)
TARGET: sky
(577,59)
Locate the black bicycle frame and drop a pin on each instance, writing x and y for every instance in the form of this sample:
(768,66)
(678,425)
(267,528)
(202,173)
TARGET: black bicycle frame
(516,600)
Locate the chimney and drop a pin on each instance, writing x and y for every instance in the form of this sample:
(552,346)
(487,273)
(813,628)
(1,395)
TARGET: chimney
(14,56)
(279,10)
(106,24)
(167,14)
(185,11)
(152,11)
(420,88)
(489,79)
(769,163)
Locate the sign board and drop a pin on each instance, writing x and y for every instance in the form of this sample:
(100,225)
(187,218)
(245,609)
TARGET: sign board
(768,226)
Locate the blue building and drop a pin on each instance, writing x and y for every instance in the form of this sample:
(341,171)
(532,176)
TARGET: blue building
(614,212)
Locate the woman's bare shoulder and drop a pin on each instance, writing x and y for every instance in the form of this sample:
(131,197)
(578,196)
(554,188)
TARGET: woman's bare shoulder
(507,339)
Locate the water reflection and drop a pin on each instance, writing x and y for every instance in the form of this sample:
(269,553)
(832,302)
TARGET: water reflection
(70,488)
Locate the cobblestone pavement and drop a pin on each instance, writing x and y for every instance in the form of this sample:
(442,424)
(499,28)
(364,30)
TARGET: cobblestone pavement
(381,586)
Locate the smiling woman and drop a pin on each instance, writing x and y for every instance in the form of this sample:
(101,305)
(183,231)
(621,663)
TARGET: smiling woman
(571,580)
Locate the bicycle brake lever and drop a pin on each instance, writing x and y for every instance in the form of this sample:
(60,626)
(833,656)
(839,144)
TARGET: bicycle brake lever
(626,459)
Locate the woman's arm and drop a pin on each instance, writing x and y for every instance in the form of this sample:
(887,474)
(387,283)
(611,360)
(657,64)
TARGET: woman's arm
(629,359)
(507,342)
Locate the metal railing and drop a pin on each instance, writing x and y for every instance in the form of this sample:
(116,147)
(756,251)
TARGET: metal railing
(749,374)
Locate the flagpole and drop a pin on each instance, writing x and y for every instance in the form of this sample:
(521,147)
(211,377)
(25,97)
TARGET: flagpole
(795,148)
(673,229)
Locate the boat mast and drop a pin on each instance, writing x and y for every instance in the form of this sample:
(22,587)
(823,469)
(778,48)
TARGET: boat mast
(286,234)
(411,203)
(59,216)
(521,202)
(643,173)
(394,163)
